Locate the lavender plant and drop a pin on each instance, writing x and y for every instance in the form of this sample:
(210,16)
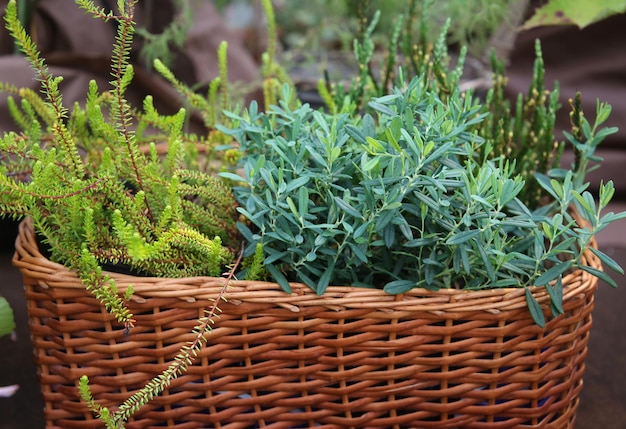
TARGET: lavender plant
(407,197)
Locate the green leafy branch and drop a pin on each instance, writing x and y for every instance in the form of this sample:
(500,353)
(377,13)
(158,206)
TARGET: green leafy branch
(50,86)
(217,97)
(117,419)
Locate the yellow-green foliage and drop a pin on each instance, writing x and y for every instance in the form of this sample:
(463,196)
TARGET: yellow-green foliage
(100,191)
(185,357)
(122,202)
(274,75)
(218,96)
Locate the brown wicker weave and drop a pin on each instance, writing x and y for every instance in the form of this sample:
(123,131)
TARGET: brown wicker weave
(350,358)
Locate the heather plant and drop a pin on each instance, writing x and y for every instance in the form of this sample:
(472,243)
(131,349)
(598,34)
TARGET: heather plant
(101,192)
(95,184)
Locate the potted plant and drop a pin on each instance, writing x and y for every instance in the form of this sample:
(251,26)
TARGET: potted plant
(468,299)
(391,276)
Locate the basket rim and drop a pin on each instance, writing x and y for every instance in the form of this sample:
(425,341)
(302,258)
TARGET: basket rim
(32,263)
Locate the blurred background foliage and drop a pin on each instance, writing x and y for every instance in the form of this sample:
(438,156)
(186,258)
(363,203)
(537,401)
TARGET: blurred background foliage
(313,25)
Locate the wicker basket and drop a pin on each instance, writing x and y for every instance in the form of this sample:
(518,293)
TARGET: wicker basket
(350,358)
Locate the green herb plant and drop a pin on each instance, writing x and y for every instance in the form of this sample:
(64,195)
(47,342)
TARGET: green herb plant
(407,197)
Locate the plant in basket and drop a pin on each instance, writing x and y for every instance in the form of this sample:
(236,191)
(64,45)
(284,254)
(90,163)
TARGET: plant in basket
(124,207)
(458,209)
(108,187)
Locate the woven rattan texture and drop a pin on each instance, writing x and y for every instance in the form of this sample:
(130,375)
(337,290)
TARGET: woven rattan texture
(351,358)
